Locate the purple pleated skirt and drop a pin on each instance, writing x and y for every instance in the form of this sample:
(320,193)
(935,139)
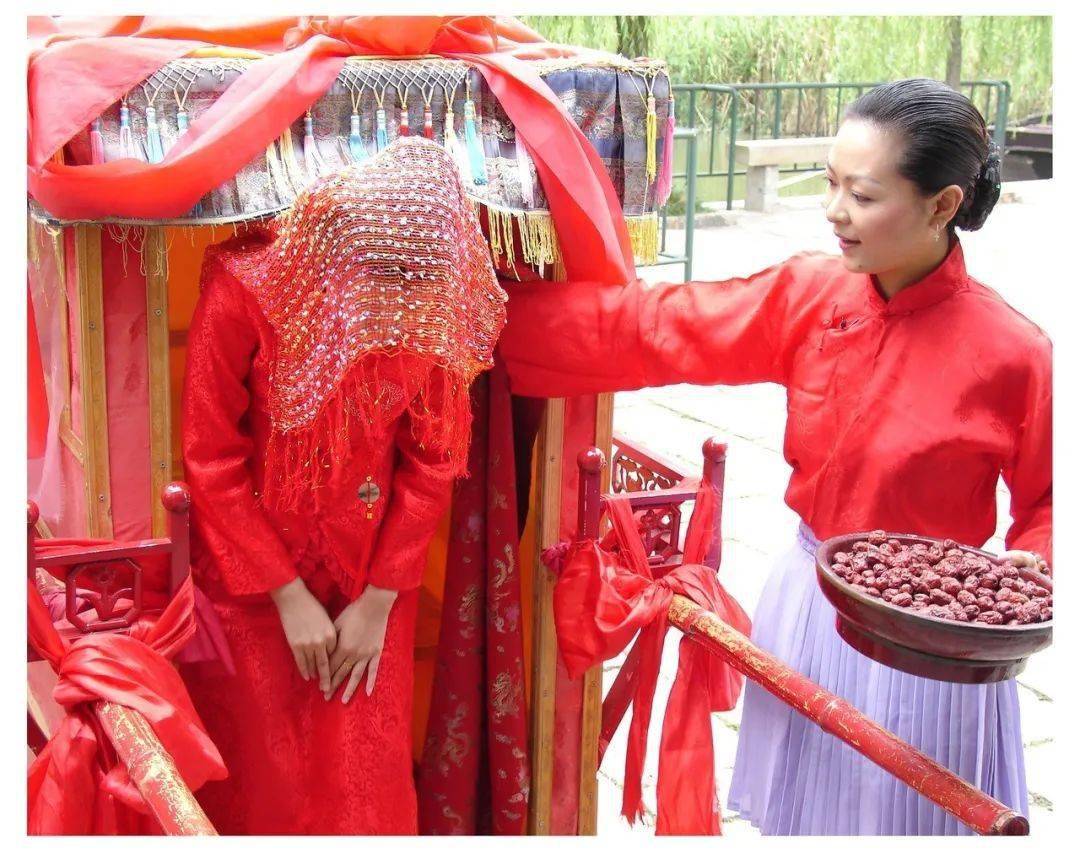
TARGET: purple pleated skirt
(792,778)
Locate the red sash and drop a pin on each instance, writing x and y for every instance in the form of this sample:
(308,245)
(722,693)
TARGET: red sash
(602,600)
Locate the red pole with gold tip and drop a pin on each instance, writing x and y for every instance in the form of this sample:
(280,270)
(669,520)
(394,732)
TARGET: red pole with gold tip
(838,717)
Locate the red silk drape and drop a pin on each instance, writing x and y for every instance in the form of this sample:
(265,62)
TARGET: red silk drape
(76,72)
(603,598)
(474,774)
(76,782)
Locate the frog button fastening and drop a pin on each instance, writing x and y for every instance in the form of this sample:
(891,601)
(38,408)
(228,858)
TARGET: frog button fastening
(369,494)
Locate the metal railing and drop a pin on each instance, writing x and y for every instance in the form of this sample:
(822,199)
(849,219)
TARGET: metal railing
(690,136)
(712,117)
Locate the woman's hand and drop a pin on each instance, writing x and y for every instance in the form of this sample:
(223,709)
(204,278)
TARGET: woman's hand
(308,629)
(1021,558)
(361,629)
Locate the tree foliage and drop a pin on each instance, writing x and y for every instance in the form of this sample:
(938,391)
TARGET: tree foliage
(738,49)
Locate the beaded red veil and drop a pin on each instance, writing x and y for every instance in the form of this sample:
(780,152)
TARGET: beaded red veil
(372,262)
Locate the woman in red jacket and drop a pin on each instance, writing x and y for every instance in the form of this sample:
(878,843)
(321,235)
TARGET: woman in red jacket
(325,416)
(911,388)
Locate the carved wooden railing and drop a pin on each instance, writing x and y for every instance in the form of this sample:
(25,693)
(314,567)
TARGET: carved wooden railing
(637,469)
(658,490)
(103,579)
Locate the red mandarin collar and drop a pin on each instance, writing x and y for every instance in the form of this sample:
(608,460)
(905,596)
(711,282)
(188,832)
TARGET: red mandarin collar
(942,282)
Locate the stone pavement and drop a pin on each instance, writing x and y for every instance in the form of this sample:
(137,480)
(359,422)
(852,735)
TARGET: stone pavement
(1009,254)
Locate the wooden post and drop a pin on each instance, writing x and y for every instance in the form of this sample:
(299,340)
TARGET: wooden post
(176,502)
(549,476)
(155,256)
(67,435)
(95,432)
(593,697)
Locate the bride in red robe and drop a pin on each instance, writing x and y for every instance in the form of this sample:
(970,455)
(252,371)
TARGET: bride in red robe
(325,417)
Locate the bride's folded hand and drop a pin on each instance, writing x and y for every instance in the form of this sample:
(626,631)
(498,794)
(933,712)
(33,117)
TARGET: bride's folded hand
(361,631)
(308,629)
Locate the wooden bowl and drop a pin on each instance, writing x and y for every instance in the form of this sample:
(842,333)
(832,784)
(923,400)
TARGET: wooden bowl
(959,651)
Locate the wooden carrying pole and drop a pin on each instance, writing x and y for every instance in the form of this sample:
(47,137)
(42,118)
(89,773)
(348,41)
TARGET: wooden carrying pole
(971,806)
(153,771)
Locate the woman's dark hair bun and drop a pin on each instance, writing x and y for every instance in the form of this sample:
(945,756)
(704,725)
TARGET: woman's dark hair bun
(984,194)
(945,142)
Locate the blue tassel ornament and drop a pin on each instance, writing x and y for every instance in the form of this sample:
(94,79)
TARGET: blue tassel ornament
(380,129)
(356,145)
(127,140)
(474,145)
(154,151)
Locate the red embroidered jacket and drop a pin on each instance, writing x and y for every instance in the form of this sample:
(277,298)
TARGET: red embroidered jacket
(240,542)
(902,414)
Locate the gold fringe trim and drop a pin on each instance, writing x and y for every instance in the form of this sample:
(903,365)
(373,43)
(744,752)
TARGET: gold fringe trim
(650,138)
(153,258)
(278,178)
(644,238)
(293,171)
(127,237)
(615,62)
(539,242)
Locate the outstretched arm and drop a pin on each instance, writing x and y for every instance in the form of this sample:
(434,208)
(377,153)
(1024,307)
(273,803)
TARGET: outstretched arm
(567,339)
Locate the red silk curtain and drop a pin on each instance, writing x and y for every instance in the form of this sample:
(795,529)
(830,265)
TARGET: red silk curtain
(474,774)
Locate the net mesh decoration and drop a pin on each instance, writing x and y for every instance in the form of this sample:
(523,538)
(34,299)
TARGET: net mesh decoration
(373,262)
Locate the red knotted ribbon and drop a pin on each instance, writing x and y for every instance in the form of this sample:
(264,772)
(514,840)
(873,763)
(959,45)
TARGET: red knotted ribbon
(74,783)
(602,599)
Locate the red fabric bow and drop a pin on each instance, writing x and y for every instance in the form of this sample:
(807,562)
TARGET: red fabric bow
(602,599)
(74,783)
(412,35)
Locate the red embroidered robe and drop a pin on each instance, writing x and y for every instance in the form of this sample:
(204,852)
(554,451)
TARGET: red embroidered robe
(299,764)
